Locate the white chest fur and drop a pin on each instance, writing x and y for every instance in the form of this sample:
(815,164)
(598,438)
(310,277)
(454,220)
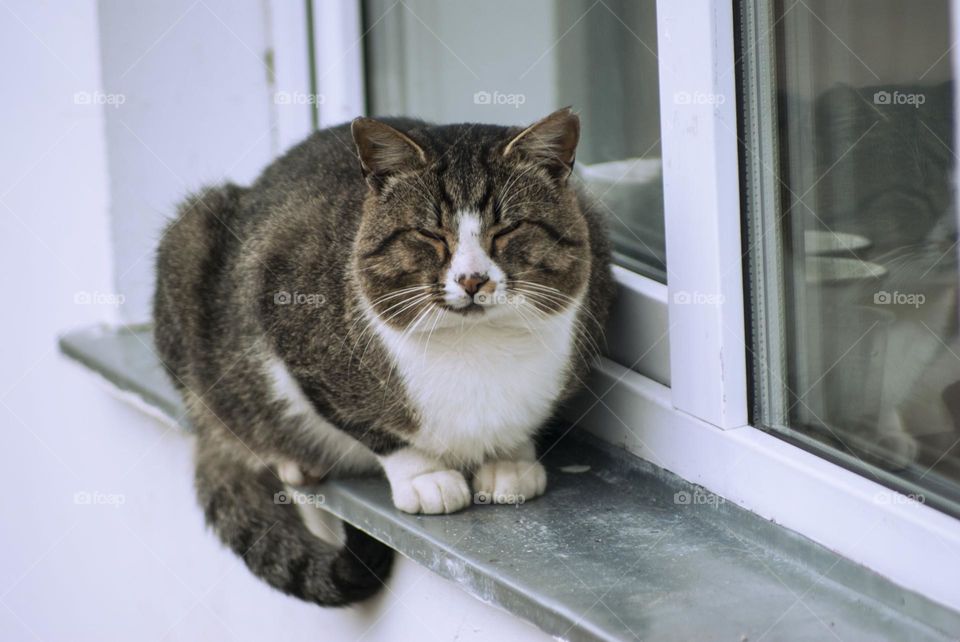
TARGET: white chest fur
(482,387)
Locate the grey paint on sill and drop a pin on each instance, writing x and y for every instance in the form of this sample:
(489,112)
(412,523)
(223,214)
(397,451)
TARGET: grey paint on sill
(621,550)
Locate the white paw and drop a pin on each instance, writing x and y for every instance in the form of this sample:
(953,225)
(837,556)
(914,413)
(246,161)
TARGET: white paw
(444,491)
(509,482)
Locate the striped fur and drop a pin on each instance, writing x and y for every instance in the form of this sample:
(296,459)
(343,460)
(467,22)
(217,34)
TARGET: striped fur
(284,314)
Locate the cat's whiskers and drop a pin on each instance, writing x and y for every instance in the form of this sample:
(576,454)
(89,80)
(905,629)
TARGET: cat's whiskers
(423,193)
(549,291)
(412,328)
(540,287)
(528,323)
(361,315)
(407,304)
(582,352)
(430,202)
(510,197)
(521,204)
(436,319)
(369,329)
(893,252)
(543,302)
(510,200)
(512,178)
(393,366)
(395,293)
(892,257)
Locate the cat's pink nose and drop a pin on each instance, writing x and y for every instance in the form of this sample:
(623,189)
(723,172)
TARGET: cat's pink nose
(472,284)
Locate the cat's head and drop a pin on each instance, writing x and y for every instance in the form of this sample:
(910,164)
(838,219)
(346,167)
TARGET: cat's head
(474,221)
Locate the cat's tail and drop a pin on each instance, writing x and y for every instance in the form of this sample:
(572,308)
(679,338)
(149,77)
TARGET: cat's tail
(253,514)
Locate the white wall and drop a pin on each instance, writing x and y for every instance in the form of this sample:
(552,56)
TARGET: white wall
(197,109)
(144,569)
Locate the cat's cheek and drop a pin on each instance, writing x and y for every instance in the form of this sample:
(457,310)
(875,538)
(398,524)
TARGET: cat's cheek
(422,257)
(513,255)
(546,261)
(400,264)
(531,252)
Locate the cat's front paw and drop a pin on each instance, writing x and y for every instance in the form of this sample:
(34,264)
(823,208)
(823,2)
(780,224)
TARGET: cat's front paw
(292,474)
(437,493)
(509,482)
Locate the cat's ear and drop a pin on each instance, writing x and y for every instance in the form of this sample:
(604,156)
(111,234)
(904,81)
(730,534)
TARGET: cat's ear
(384,151)
(551,141)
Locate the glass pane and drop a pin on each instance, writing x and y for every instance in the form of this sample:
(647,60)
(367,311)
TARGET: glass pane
(868,229)
(514,62)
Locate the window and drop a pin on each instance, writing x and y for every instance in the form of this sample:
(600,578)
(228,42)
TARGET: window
(431,60)
(861,260)
(806,141)
(731,97)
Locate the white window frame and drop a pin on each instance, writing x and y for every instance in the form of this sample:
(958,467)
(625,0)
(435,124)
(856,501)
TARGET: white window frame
(338,38)
(337,92)
(697,427)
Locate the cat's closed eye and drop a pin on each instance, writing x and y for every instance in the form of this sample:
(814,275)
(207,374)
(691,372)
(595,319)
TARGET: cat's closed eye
(502,236)
(507,229)
(431,235)
(436,240)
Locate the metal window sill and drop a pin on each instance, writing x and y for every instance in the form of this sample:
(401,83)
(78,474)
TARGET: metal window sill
(609,553)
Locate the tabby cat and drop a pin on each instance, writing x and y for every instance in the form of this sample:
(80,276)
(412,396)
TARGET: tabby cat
(884,171)
(421,312)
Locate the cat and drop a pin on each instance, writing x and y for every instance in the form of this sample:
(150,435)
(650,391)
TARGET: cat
(884,171)
(390,295)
